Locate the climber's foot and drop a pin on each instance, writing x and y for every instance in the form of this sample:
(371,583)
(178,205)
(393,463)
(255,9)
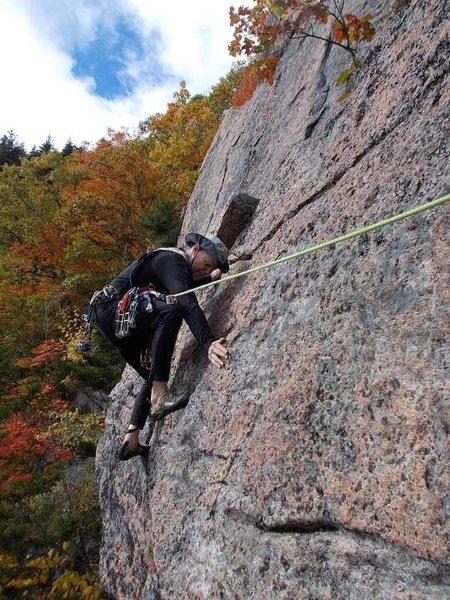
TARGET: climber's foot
(131,446)
(166,404)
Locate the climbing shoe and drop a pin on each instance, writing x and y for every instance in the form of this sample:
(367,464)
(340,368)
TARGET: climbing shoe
(167,404)
(126,453)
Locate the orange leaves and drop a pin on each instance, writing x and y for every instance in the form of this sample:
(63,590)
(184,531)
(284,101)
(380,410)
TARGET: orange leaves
(359,29)
(17,478)
(251,32)
(256,29)
(251,75)
(338,32)
(247,86)
(64,454)
(101,214)
(25,452)
(351,29)
(267,68)
(20,437)
(43,354)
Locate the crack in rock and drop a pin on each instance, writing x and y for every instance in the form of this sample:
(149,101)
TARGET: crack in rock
(298,526)
(329,185)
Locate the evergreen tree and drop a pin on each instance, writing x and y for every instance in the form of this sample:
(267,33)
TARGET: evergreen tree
(47,146)
(69,148)
(11,150)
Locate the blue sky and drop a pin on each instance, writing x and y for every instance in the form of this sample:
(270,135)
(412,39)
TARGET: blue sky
(105,59)
(74,68)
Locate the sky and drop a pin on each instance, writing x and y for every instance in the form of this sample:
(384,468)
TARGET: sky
(72,69)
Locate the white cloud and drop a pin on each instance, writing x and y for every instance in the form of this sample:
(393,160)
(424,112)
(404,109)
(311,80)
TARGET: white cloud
(195,36)
(40,94)
(67,23)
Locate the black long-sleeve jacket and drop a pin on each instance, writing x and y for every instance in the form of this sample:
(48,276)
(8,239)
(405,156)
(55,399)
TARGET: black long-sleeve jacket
(170,273)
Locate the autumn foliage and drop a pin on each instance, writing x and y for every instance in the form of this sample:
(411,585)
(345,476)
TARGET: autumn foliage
(257,28)
(69,222)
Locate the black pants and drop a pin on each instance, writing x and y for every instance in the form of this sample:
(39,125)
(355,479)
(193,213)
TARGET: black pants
(157,330)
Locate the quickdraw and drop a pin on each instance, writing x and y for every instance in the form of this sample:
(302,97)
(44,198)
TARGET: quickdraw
(128,307)
(85,344)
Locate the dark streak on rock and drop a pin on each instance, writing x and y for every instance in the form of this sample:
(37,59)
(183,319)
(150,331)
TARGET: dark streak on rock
(223,178)
(221,185)
(239,213)
(235,141)
(298,526)
(241,258)
(292,213)
(311,126)
(294,99)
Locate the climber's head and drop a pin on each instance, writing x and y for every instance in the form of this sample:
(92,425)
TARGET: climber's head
(207,252)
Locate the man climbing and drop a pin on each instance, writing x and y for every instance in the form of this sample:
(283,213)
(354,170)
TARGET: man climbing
(135,315)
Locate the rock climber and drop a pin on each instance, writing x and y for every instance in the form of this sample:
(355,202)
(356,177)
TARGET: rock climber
(134,312)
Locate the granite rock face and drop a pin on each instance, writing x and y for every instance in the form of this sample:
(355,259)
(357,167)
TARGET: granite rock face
(313,465)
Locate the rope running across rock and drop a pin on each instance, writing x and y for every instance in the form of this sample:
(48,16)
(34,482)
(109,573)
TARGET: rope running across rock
(342,238)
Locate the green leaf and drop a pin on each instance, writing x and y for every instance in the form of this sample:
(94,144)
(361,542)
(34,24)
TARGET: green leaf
(344,76)
(277,10)
(342,97)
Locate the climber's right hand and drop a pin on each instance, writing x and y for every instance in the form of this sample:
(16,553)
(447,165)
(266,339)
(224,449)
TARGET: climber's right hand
(216,274)
(218,353)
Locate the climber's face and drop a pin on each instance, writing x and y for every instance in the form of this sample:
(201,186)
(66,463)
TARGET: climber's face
(202,264)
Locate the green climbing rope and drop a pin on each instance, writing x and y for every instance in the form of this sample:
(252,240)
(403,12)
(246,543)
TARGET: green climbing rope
(338,240)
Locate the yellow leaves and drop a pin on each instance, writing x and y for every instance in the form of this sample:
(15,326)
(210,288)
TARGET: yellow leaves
(233,47)
(36,571)
(277,9)
(73,430)
(8,561)
(38,578)
(344,76)
(73,586)
(234,19)
(179,140)
(20,583)
(45,563)
(71,330)
(345,79)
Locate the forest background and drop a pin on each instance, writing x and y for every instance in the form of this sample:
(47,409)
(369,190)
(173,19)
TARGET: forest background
(69,221)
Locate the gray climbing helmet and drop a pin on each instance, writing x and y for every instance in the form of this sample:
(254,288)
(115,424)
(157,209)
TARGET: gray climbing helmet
(213,246)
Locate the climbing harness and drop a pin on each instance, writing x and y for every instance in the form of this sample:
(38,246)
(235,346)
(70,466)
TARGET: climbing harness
(128,307)
(128,303)
(125,315)
(327,244)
